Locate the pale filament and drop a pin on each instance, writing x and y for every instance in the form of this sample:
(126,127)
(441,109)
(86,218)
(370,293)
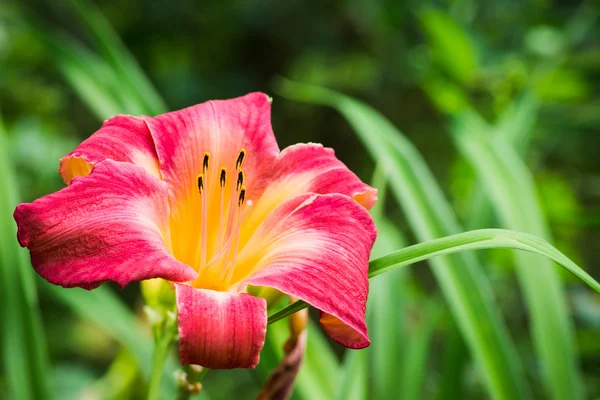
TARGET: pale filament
(201,181)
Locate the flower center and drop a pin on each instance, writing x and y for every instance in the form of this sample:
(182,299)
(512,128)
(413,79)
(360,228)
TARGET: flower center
(219,245)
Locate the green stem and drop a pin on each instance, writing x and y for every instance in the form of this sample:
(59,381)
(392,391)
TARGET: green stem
(191,377)
(202,374)
(161,350)
(472,240)
(287,311)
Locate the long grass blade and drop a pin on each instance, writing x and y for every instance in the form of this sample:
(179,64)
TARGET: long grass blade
(462,280)
(453,365)
(516,125)
(132,77)
(90,77)
(25,358)
(510,188)
(386,307)
(418,346)
(374,372)
(386,310)
(480,239)
(354,384)
(517,122)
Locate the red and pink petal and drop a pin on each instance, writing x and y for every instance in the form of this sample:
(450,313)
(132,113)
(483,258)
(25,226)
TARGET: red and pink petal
(308,168)
(312,168)
(109,226)
(316,248)
(121,138)
(220,129)
(220,330)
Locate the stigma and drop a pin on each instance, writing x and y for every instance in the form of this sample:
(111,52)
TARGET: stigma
(222,193)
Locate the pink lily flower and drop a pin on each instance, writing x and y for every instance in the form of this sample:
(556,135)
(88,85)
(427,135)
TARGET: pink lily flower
(204,198)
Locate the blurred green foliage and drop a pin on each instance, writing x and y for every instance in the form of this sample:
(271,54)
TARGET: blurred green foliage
(65,66)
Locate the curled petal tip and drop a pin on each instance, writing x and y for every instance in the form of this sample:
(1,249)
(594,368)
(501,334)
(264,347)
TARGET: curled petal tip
(122,138)
(344,334)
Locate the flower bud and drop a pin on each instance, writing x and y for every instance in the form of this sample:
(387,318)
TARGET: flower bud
(158,294)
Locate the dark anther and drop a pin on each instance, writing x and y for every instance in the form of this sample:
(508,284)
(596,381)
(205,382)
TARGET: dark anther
(242,197)
(200,183)
(205,162)
(240,160)
(223,177)
(240,180)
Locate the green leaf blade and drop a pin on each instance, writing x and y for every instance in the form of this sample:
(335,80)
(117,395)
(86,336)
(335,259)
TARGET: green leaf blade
(374,372)
(25,360)
(466,288)
(479,240)
(510,188)
(142,93)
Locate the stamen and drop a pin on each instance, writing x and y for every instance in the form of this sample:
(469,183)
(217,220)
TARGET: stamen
(230,266)
(201,185)
(240,180)
(205,161)
(223,177)
(220,231)
(226,243)
(230,220)
(217,256)
(242,196)
(200,180)
(240,159)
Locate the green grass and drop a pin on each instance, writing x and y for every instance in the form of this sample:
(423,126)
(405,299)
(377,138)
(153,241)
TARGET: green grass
(24,352)
(460,277)
(510,188)
(108,80)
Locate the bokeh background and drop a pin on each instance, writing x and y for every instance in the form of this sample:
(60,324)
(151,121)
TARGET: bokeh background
(529,68)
